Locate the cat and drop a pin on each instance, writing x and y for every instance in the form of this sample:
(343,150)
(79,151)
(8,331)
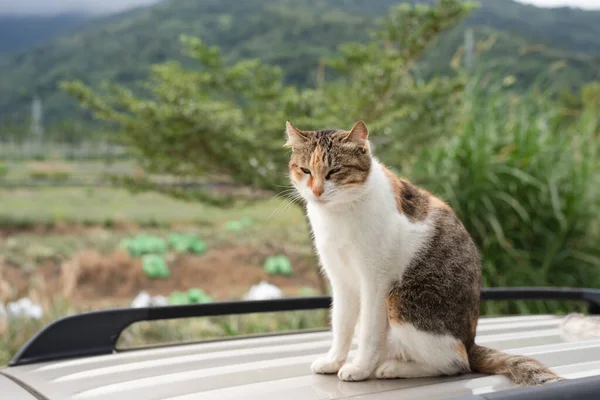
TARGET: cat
(400,263)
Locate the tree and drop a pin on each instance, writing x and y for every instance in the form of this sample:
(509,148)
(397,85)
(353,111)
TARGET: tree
(228,120)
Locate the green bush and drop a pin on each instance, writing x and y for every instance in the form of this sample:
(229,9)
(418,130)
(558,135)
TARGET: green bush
(186,243)
(178,298)
(192,296)
(242,223)
(527,192)
(198,296)
(155,266)
(144,244)
(278,265)
(3,170)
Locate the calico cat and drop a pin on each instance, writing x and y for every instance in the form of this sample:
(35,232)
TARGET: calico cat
(399,258)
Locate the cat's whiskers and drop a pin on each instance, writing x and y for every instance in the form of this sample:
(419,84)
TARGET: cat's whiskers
(282,208)
(283,194)
(291,198)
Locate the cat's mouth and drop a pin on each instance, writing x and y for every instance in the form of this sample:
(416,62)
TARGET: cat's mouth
(319,200)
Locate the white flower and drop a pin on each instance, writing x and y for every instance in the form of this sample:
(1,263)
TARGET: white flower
(160,301)
(143,299)
(24,308)
(264,291)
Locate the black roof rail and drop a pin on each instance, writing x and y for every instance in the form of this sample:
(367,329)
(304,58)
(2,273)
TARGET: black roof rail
(96,333)
(589,296)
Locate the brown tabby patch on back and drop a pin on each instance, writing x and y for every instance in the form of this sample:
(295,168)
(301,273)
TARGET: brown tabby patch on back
(326,150)
(411,200)
(448,268)
(415,202)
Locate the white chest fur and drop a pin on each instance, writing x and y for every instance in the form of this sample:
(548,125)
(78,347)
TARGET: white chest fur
(367,237)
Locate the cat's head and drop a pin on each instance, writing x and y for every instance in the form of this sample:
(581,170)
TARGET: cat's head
(330,166)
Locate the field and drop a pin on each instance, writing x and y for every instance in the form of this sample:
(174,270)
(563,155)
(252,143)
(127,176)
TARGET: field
(61,247)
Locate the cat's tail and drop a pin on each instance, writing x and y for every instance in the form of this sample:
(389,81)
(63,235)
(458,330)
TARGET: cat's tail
(520,370)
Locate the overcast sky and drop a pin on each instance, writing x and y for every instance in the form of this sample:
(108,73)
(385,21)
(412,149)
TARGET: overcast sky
(60,6)
(557,3)
(104,6)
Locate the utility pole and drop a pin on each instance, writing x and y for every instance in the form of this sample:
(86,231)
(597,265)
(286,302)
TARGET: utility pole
(469,48)
(37,128)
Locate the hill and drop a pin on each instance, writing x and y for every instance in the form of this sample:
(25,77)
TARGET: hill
(21,32)
(294,34)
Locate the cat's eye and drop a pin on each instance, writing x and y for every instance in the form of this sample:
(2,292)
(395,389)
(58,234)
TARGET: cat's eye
(306,171)
(333,171)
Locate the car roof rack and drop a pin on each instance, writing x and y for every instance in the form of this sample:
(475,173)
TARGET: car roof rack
(96,333)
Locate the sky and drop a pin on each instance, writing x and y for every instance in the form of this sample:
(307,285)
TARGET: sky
(107,6)
(591,4)
(36,7)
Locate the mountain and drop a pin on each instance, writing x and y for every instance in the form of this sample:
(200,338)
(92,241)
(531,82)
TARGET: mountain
(563,28)
(294,34)
(21,32)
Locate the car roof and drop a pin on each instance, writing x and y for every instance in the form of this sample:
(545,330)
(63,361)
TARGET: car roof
(278,367)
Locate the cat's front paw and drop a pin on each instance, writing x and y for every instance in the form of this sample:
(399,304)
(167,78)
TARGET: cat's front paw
(353,373)
(325,365)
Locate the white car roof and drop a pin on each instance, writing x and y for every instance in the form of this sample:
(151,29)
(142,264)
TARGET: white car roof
(278,367)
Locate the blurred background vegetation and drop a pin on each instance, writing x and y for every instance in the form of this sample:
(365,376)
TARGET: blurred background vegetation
(170,119)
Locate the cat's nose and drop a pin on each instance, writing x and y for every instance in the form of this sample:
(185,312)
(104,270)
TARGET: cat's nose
(317,190)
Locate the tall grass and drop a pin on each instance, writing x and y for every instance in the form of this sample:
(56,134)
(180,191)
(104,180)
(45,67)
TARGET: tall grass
(527,191)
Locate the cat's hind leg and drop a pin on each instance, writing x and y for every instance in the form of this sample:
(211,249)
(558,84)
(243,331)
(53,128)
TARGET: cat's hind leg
(392,369)
(417,354)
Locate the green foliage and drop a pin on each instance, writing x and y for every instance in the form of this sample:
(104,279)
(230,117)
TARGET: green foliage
(278,265)
(143,245)
(3,169)
(153,245)
(178,298)
(564,28)
(186,243)
(198,296)
(155,266)
(584,105)
(525,190)
(228,119)
(238,225)
(192,296)
(501,53)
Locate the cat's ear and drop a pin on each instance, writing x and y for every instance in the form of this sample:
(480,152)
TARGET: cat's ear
(295,136)
(358,134)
